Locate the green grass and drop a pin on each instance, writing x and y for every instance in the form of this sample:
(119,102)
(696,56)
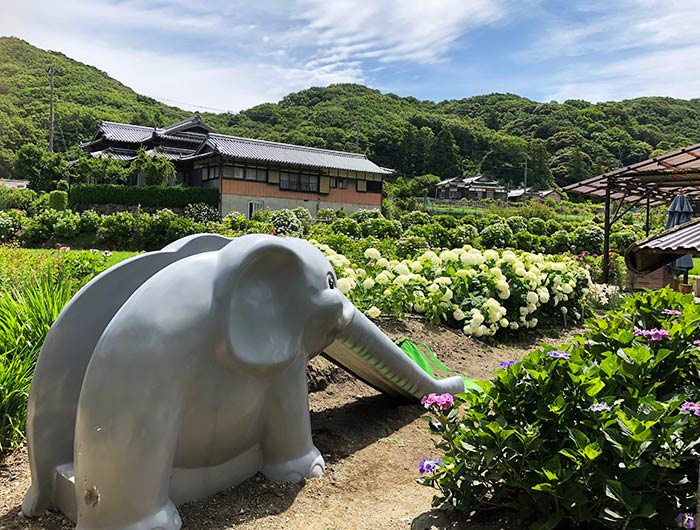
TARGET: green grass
(35,285)
(26,314)
(696,267)
(116,257)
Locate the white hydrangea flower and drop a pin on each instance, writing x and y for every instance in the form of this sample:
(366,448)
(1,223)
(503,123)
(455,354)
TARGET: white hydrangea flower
(490,255)
(532,298)
(373,312)
(345,285)
(401,280)
(383,263)
(416,266)
(372,253)
(368,283)
(458,315)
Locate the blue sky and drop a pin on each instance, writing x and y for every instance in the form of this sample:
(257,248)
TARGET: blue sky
(231,55)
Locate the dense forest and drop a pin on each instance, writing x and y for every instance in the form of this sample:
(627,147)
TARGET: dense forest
(495,134)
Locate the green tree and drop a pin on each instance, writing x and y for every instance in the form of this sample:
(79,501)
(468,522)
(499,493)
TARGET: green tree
(445,160)
(40,168)
(539,176)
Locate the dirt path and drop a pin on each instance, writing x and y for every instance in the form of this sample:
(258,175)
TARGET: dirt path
(371,445)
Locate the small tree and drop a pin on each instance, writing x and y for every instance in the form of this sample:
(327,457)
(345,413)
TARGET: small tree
(156,169)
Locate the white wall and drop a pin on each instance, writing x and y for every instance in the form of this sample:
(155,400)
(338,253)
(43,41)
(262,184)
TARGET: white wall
(239,203)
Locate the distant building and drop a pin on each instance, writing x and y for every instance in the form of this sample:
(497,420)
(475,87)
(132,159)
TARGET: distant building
(250,174)
(472,188)
(9,183)
(538,195)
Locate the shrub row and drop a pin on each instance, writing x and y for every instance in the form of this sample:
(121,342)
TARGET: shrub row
(155,196)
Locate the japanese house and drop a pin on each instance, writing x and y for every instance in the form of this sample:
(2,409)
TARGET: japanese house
(250,174)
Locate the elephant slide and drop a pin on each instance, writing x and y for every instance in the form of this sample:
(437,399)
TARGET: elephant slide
(179,373)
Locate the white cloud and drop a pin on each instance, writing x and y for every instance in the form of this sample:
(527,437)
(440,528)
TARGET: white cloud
(617,50)
(393,30)
(661,73)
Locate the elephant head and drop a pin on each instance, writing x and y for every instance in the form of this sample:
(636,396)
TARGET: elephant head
(281,300)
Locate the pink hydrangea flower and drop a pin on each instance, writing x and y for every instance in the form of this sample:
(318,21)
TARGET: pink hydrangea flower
(443,401)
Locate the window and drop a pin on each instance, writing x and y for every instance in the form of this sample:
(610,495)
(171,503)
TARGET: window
(342,184)
(258,174)
(298,181)
(374,186)
(254,206)
(210,173)
(454,194)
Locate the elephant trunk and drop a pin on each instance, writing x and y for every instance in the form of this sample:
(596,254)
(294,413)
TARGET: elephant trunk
(365,351)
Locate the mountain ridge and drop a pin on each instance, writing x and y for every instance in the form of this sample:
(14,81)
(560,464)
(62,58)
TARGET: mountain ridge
(492,133)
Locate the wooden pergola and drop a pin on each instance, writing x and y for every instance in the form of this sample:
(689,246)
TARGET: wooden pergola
(653,182)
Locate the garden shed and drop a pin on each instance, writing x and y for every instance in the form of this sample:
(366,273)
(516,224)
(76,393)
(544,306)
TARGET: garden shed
(652,182)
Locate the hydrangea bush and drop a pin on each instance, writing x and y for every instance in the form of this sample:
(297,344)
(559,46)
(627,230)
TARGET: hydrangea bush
(479,292)
(602,433)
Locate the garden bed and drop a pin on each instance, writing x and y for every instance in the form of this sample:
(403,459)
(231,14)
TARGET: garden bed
(372,446)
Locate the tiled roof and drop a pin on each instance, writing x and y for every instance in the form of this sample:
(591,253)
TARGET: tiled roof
(249,149)
(117,154)
(124,132)
(233,146)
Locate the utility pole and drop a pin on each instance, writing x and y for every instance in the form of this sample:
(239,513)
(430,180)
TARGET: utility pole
(51,73)
(525,178)
(357,136)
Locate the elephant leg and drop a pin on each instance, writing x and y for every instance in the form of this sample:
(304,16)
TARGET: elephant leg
(126,435)
(289,454)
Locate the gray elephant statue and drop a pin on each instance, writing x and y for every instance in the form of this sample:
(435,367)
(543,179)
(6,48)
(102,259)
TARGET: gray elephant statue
(179,373)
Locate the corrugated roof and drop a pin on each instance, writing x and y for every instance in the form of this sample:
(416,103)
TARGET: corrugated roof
(658,178)
(655,251)
(250,149)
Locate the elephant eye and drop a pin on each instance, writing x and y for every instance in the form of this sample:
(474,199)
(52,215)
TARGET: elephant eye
(331,281)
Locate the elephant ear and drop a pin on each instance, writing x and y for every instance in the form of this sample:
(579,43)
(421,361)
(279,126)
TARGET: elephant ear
(265,307)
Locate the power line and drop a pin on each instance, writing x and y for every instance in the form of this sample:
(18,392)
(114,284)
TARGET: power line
(193,105)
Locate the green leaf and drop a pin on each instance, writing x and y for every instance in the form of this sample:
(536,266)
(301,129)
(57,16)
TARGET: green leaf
(619,492)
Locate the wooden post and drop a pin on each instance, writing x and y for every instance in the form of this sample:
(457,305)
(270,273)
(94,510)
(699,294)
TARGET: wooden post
(646,226)
(606,235)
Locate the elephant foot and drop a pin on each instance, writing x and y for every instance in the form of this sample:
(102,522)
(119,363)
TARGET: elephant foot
(33,505)
(167,518)
(311,465)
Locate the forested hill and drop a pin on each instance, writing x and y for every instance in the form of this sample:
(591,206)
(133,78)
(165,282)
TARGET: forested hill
(493,133)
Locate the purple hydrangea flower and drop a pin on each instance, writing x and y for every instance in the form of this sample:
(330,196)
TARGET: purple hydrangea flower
(685,520)
(696,342)
(506,364)
(655,334)
(599,407)
(558,354)
(427,466)
(691,408)
(672,312)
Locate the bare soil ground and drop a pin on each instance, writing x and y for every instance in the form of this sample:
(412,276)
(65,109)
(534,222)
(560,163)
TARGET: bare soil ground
(371,444)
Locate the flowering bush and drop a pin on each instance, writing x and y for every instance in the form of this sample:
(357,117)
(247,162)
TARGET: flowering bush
(363,215)
(286,223)
(346,226)
(480,292)
(497,235)
(235,221)
(10,224)
(600,433)
(201,212)
(90,222)
(589,237)
(68,225)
